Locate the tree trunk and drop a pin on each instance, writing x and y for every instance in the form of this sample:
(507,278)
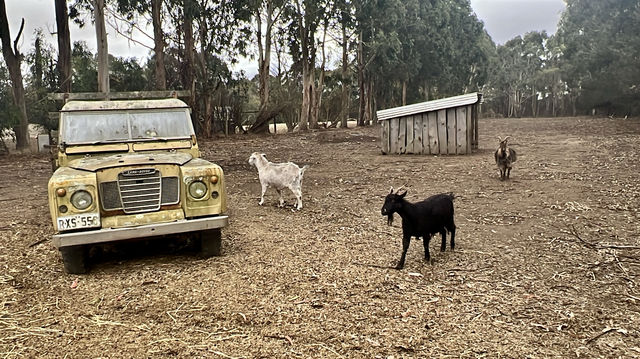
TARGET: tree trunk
(534,102)
(12,58)
(38,66)
(371,103)
(103,49)
(344,98)
(158,48)
(361,84)
(207,92)
(404,92)
(189,57)
(264,65)
(307,88)
(265,58)
(64,45)
(317,103)
(307,83)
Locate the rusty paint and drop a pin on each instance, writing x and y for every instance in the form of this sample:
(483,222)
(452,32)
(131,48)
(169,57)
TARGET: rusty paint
(121,160)
(131,220)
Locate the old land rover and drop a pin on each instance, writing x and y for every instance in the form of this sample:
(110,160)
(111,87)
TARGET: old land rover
(131,169)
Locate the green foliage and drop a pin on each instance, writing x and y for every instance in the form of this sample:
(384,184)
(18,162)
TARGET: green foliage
(438,47)
(43,79)
(9,112)
(601,48)
(126,75)
(84,68)
(590,64)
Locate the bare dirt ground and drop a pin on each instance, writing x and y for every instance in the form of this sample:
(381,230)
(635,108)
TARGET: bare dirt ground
(546,264)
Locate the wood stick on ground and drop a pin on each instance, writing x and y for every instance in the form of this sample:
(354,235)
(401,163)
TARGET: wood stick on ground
(38,242)
(574,232)
(604,331)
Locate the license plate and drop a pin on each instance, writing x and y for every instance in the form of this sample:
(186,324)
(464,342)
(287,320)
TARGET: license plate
(78,221)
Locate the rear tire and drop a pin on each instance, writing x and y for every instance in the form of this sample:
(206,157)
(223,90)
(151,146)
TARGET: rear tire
(211,243)
(75,259)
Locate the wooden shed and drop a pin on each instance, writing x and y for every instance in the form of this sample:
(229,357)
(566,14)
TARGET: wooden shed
(445,126)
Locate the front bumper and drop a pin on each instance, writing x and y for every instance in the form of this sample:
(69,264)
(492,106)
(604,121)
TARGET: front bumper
(148,230)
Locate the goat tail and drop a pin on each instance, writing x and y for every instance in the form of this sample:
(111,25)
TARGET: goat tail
(304,168)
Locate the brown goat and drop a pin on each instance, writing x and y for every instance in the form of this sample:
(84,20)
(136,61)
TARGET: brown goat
(505,157)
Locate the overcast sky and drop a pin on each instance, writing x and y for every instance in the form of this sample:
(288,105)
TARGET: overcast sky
(503,19)
(506,19)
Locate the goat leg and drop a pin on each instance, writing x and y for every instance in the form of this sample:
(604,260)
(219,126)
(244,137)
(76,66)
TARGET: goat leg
(443,245)
(453,235)
(405,247)
(298,194)
(508,172)
(264,189)
(280,199)
(425,242)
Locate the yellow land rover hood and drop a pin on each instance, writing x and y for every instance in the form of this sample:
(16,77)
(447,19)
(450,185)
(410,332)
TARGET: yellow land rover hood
(97,163)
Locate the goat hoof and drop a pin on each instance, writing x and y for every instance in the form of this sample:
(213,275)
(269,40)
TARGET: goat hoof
(399,266)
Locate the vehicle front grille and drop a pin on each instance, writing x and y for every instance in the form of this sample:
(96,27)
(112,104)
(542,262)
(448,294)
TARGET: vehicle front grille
(138,191)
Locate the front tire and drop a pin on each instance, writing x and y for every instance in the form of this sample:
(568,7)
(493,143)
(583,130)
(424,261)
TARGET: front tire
(210,243)
(75,259)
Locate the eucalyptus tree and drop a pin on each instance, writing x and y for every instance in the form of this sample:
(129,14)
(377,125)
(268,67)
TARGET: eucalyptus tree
(13,60)
(64,45)
(9,112)
(308,17)
(136,12)
(42,79)
(84,68)
(601,48)
(221,39)
(377,50)
(534,53)
(265,15)
(345,11)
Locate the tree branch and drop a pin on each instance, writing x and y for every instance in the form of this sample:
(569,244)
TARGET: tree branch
(15,43)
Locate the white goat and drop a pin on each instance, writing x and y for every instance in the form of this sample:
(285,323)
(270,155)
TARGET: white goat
(279,176)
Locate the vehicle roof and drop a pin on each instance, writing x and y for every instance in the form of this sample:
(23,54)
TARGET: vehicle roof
(73,106)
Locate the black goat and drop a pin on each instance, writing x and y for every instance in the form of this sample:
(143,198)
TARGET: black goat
(421,219)
(505,156)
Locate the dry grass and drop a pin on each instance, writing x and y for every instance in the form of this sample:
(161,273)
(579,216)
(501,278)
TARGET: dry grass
(546,264)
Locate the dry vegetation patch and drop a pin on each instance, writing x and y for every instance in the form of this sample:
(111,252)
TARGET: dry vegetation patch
(546,264)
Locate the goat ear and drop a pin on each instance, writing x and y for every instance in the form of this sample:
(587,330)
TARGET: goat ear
(263,156)
(391,191)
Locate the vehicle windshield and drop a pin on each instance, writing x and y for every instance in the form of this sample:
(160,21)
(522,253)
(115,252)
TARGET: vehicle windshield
(122,126)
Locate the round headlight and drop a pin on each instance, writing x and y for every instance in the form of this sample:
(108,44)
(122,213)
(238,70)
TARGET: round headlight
(197,189)
(81,199)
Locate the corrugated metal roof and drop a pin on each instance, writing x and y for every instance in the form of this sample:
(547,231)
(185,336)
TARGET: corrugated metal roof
(122,105)
(428,106)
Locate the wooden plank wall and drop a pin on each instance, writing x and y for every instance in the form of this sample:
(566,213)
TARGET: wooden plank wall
(402,136)
(418,147)
(434,147)
(385,136)
(451,131)
(442,132)
(448,131)
(461,130)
